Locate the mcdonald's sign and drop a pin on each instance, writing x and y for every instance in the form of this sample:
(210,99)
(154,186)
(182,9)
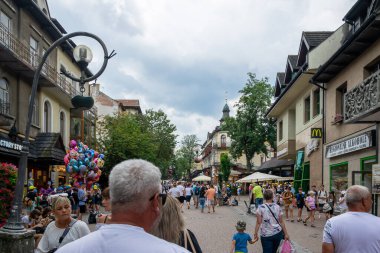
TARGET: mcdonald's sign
(316,133)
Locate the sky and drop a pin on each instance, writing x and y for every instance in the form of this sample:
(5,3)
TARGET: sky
(186,57)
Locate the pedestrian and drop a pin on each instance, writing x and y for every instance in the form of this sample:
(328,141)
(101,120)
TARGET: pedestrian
(136,200)
(210,195)
(82,197)
(354,231)
(239,192)
(311,207)
(241,239)
(103,219)
(64,229)
(329,211)
(182,192)
(172,227)
(258,195)
(342,202)
(322,196)
(287,197)
(196,190)
(202,197)
(300,201)
(189,193)
(271,225)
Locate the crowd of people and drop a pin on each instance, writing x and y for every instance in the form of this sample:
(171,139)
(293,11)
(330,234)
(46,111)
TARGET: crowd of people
(141,209)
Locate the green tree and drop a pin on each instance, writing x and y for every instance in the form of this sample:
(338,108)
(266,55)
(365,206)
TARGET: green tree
(225,166)
(250,130)
(186,153)
(126,136)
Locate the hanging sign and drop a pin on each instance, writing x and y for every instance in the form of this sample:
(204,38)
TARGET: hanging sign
(316,133)
(10,145)
(356,143)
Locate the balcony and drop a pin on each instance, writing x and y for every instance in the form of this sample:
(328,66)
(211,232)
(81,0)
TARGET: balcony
(4,108)
(362,103)
(20,59)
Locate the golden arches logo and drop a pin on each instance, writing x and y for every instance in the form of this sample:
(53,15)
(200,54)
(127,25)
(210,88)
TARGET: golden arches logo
(316,133)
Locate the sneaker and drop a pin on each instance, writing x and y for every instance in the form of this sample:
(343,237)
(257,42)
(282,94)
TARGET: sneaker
(312,225)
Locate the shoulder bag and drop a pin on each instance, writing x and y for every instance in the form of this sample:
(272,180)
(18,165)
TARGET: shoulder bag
(63,236)
(186,238)
(274,216)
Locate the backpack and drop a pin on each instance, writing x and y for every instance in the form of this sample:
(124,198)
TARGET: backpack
(196,191)
(92,218)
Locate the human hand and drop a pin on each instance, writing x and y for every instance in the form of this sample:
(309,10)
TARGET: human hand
(286,236)
(256,237)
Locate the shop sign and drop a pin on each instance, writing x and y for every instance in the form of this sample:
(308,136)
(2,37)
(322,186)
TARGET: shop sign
(10,145)
(316,133)
(312,146)
(282,152)
(356,143)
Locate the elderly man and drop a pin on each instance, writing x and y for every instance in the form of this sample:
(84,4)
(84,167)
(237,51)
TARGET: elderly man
(136,199)
(356,230)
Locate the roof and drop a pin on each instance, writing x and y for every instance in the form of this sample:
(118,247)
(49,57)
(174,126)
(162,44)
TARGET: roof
(49,146)
(129,102)
(275,163)
(293,61)
(280,82)
(313,39)
(226,108)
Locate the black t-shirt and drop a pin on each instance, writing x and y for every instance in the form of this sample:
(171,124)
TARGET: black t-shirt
(74,195)
(202,192)
(31,195)
(193,239)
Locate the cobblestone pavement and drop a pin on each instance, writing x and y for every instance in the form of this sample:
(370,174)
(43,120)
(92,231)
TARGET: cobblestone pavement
(214,231)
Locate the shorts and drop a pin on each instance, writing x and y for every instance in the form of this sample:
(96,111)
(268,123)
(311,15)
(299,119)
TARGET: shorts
(181,199)
(82,209)
(300,206)
(188,198)
(74,207)
(210,202)
(320,206)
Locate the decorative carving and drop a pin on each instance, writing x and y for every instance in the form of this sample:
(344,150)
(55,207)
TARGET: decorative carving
(363,98)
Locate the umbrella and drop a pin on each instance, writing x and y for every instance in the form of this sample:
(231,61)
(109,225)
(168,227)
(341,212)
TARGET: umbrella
(202,178)
(285,179)
(257,176)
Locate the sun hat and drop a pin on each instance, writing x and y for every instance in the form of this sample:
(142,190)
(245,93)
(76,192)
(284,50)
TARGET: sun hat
(241,225)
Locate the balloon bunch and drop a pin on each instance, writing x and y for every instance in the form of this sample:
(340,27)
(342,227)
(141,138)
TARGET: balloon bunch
(83,164)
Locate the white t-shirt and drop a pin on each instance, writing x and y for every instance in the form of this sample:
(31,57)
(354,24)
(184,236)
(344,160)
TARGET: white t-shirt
(324,196)
(180,189)
(50,239)
(116,238)
(188,191)
(353,232)
(174,192)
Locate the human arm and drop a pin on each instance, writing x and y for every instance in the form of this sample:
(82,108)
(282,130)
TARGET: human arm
(233,246)
(328,248)
(259,220)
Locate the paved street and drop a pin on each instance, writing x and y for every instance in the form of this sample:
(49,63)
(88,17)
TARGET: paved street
(214,231)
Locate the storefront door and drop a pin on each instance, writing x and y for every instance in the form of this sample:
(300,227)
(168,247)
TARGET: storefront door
(365,178)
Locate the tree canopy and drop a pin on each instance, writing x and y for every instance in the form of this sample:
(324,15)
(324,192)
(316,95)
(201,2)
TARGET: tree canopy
(126,136)
(184,158)
(250,130)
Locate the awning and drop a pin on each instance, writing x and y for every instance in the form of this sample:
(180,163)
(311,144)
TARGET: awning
(258,176)
(49,147)
(275,163)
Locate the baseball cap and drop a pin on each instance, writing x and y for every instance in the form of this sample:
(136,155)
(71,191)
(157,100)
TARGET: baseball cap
(32,187)
(95,187)
(241,225)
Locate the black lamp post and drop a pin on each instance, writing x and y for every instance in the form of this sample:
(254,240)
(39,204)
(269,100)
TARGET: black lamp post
(83,56)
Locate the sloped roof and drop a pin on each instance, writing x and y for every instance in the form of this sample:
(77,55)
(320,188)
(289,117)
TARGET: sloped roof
(280,82)
(293,61)
(129,102)
(313,39)
(49,146)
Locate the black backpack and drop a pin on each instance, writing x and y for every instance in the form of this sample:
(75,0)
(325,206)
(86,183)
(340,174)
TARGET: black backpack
(196,192)
(92,218)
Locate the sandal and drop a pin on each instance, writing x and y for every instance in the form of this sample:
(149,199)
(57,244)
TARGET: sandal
(304,222)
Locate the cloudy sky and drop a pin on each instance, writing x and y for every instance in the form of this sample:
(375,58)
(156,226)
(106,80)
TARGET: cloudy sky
(186,56)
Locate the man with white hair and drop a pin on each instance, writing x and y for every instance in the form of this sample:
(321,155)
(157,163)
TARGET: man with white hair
(136,199)
(354,231)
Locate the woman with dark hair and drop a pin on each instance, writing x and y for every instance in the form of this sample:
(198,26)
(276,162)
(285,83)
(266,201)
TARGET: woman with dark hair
(104,218)
(271,225)
(172,227)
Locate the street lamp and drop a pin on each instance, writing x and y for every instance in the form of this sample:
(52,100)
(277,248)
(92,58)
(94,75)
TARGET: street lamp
(83,56)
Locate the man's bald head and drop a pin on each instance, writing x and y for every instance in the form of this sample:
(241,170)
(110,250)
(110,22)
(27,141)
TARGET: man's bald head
(356,194)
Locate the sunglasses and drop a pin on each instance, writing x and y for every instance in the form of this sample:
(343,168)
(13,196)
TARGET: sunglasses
(162,196)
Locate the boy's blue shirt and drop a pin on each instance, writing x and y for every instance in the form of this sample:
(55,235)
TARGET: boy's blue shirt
(242,240)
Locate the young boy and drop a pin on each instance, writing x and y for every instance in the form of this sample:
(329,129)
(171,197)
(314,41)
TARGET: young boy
(240,239)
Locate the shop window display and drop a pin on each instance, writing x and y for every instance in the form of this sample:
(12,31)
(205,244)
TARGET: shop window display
(339,178)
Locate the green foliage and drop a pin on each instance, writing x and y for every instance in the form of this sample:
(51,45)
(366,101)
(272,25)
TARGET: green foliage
(126,136)
(250,129)
(184,157)
(8,176)
(225,166)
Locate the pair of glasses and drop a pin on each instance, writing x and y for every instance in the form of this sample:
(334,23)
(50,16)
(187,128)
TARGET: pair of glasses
(162,196)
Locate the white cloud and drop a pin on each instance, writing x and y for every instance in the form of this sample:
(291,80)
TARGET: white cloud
(182,56)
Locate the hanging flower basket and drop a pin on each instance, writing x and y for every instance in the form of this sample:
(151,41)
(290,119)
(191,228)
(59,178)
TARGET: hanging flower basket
(8,176)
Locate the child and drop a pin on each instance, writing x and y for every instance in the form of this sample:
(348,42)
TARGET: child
(240,239)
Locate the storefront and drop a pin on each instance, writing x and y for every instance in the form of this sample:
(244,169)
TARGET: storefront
(350,162)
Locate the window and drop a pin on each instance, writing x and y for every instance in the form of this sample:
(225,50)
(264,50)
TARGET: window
(340,92)
(372,68)
(4,97)
(316,102)
(36,112)
(33,51)
(280,130)
(62,123)
(223,141)
(47,116)
(307,109)
(339,178)
(5,21)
